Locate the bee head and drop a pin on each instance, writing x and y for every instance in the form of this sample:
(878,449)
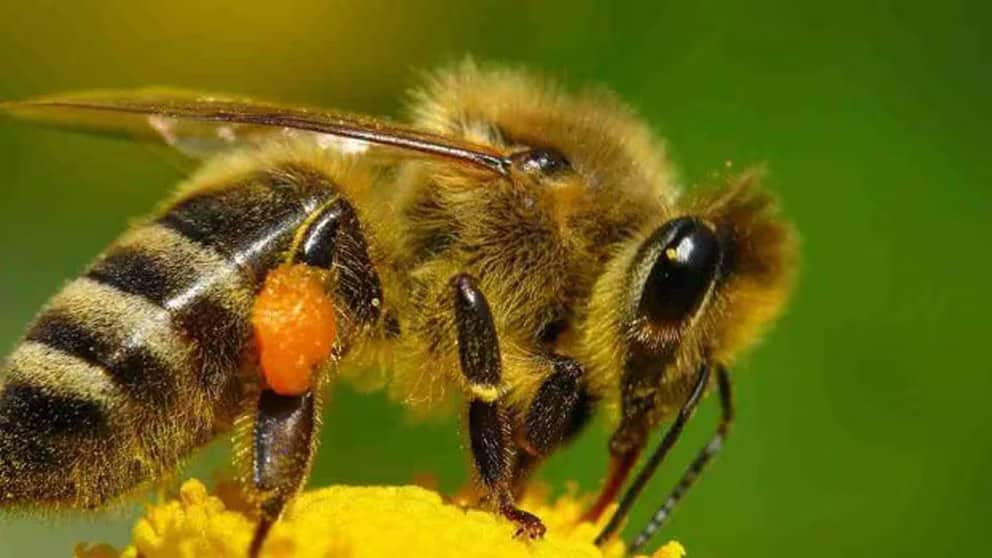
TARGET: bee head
(707,280)
(695,287)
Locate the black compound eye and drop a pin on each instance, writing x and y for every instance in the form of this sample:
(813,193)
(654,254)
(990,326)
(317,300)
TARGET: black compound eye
(683,270)
(542,160)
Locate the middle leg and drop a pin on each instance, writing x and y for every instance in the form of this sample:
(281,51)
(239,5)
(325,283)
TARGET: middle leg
(490,432)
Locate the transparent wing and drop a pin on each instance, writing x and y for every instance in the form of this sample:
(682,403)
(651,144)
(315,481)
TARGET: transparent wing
(199,124)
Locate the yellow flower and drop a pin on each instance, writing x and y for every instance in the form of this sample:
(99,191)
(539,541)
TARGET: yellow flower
(356,522)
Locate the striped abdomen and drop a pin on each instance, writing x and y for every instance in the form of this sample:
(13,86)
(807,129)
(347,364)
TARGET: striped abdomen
(136,363)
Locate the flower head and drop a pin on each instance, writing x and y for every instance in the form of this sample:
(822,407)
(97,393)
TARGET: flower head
(357,522)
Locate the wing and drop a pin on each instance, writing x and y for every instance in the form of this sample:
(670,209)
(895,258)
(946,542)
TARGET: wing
(199,125)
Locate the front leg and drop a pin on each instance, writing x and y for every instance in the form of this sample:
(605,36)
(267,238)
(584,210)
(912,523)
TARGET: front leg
(560,410)
(490,432)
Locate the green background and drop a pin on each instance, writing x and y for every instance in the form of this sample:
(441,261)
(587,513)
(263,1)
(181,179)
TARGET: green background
(864,418)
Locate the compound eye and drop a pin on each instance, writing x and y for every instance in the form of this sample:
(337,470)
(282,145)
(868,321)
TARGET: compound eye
(542,160)
(683,270)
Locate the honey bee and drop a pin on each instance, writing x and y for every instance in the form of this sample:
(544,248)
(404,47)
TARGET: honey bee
(517,251)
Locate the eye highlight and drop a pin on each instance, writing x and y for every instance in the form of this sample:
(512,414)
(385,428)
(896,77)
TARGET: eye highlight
(544,160)
(688,255)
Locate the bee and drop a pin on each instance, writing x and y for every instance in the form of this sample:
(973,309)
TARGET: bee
(517,251)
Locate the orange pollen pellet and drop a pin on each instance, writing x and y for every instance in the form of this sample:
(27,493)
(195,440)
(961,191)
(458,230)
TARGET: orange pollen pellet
(295,327)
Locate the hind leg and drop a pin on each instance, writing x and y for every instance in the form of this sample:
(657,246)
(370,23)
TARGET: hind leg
(284,445)
(283,429)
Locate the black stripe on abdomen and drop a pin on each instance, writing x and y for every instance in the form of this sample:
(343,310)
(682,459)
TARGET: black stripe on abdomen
(139,373)
(46,413)
(253,222)
(31,415)
(133,271)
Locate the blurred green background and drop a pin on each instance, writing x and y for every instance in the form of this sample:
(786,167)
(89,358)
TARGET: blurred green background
(864,418)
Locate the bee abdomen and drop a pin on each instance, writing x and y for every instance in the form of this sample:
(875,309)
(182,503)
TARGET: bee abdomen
(138,362)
